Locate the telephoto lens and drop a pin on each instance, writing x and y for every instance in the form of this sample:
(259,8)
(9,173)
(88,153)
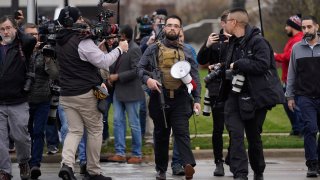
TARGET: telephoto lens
(207,105)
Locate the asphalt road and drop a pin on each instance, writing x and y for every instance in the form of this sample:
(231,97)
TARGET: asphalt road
(278,168)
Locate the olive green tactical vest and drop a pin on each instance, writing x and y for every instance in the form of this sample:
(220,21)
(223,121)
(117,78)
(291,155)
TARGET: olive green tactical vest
(167,57)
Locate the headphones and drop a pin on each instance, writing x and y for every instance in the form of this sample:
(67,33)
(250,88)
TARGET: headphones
(68,21)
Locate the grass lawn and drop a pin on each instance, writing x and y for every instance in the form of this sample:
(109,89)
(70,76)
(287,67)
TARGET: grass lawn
(276,122)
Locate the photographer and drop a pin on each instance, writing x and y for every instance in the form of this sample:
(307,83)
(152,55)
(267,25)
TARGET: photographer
(15,51)
(79,59)
(39,100)
(256,88)
(213,52)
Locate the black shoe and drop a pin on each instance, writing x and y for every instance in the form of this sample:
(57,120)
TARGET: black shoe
(257,176)
(66,173)
(24,171)
(4,175)
(35,172)
(161,175)
(83,168)
(312,172)
(177,170)
(219,171)
(241,177)
(96,177)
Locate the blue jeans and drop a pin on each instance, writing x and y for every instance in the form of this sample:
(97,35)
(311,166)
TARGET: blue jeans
(37,123)
(310,110)
(64,123)
(82,148)
(52,135)
(119,126)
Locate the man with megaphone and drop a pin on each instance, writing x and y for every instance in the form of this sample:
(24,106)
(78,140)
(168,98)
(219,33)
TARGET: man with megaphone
(170,102)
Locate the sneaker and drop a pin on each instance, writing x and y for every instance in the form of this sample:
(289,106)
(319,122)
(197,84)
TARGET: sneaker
(96,177)
(24,171)
(35,172)
(161,175)
(4,175)
(219,171)
(66,173)
(257,176)
(117,158)
(188,171)
(177,170)
(52,150)
(312,172)
(134,160)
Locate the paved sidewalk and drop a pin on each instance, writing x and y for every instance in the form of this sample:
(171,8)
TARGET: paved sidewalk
(276,169)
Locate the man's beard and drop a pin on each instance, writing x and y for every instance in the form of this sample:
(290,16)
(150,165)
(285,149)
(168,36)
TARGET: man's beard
(290,34)
(172,36)
(309,36)
(7,40)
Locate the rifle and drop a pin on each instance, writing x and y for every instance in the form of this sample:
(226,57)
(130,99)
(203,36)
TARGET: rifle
(157,75)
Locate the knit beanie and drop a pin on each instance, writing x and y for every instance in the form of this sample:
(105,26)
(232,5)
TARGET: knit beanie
(295,22)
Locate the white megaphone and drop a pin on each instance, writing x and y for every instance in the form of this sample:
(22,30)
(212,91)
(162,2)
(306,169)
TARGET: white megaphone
(181,70)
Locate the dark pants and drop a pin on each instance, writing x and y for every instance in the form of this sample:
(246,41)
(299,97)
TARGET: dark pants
(218,126)
(37,123)
(310,110)
(178,112)
(294,117)
(253,128)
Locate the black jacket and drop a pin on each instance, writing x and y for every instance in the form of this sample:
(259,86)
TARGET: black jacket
(216,53)
(13,70)
(253,56)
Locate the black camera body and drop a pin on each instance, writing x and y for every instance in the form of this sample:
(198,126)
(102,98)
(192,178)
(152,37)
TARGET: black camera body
(215,73)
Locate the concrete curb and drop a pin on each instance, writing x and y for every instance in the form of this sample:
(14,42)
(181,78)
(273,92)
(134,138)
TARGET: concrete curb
(199,154)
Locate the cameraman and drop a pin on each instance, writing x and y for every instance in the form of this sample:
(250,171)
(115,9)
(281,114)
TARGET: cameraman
(39,100)
(214,51)
(79,59)
(256,88)
(159,17)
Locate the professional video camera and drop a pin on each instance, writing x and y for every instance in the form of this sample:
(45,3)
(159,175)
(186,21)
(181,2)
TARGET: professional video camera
(144,25)
(104,29)
(47,32)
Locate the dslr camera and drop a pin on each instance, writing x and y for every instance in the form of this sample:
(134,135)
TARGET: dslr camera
(237,78)
(216,72)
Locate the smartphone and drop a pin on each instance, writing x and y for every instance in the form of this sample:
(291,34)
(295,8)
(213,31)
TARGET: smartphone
(222,37)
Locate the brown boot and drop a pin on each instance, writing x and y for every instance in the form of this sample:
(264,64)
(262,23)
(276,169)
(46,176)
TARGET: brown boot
(117,158)
(134,160)
(189,171)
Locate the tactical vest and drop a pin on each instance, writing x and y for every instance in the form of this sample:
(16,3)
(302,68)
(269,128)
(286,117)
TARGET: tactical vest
(167,57)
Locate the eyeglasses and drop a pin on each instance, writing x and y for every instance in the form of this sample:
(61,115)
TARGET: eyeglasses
(176,26)
(7,28)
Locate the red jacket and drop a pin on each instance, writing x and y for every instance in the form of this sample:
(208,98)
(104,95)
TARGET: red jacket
(284,57)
